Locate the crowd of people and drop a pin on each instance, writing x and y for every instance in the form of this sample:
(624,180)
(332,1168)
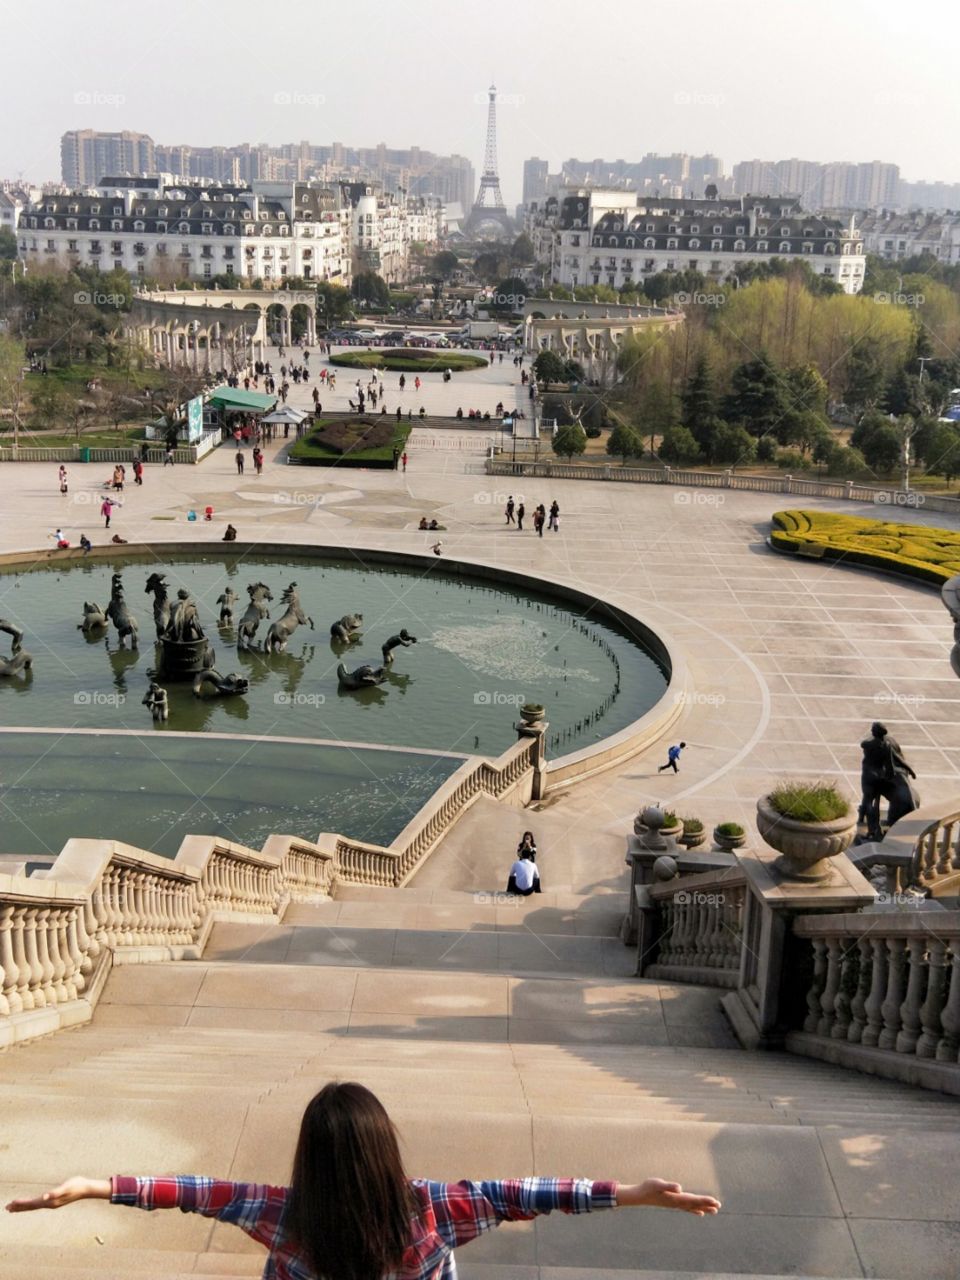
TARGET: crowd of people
(516,512)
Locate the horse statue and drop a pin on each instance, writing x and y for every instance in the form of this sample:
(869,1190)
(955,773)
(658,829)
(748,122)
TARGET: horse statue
(403,638)
(284,627)
(94,618)
(226,603)
(211,684)
(256,611)
(20,659)
(156,699)
(161,603)
(120,615)
(362,678)
(347,629)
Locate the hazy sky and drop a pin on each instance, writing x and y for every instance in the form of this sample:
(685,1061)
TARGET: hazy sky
(817,79)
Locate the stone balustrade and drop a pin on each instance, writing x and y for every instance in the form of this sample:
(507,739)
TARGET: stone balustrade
(921,852)
(691,928)
(884,995)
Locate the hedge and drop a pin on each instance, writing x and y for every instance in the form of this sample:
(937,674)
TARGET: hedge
(410,360)
(312,451)
(917,551)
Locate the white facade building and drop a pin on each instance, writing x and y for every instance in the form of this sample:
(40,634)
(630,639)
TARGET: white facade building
(616,238)
(898,236)
(166,229)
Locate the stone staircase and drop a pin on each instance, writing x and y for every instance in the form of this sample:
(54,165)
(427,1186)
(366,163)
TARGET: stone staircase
(506,1038)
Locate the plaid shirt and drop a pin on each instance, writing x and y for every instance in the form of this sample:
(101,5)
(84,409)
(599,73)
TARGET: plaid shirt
(450,1214)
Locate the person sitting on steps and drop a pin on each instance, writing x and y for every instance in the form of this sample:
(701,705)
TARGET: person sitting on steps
(524,876)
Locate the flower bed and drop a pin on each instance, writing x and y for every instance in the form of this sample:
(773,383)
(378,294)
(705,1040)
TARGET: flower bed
(352,442)
(919,551)
(410,360)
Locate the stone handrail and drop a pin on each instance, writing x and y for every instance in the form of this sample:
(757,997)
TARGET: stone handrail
(849,489)
(691,928)
(95,453)
(920,852)
(363,863)
(103,902)
(884,995)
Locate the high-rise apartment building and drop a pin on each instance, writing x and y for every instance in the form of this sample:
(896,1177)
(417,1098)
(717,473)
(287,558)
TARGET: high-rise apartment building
(86,155)
(535,174)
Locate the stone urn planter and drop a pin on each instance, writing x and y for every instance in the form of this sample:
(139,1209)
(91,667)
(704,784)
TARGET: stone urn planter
(531,713)
(728,841)
(672,829)
(805,847)
(692,839)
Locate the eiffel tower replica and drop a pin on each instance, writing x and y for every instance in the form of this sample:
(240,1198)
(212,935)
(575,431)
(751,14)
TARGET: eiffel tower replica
(488,208)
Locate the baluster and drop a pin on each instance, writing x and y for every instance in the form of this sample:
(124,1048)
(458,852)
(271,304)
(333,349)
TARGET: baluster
(134,906)
(44,957)
(74,952)
(849,974)
(910,1008)
(933,1004)
(22,997)
(897,959)
(858,1005)
(8,967)
(949,1045)
(879,973)
(31,972)
(817,984)
(56,946)
(668,915)
(944,849)
(831,986)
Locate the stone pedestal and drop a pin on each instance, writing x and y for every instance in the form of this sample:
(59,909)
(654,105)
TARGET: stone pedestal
(184,659)
(755,1008)
(529,727)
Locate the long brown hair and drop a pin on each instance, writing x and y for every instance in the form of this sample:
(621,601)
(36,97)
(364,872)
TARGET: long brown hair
(350,1203)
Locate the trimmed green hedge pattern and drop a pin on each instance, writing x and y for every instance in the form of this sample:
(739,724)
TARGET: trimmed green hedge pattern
(919,551)
(313,452)
(410,360)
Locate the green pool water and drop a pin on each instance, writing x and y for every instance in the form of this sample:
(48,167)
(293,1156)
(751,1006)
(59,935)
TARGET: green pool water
(481,652)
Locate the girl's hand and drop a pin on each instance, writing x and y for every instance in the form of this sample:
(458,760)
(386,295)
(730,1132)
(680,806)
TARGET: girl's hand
(658,1194)
(69,1191)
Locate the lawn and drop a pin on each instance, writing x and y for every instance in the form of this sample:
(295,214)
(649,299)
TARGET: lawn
(410,360)
(346,442)
(917,551)
(101,438)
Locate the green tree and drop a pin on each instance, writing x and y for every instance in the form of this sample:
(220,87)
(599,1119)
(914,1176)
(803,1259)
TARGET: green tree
(656,410)
(509,294)
(679,447)
(48,404)
(846,462)
(569,440)
(444,264)
(334,304)
(883,449)
(371,288)
(12,360)
(521,251)
(733,446)
(944,452)
(902,394)
(624,442)
(864,377)
(8,245)
(698,399)
(757,396)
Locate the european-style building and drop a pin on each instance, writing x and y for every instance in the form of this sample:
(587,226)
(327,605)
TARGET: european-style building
(616,238)
(164,228)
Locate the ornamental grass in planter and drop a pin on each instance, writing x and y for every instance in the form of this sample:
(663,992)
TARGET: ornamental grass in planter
(694,833)
(729,836)
(807,823)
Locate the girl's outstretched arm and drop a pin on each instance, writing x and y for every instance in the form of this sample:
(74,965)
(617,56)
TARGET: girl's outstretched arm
(69,1191)
(655,1193)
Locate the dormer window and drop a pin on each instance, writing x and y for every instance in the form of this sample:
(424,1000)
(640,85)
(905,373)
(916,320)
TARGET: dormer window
(229,231)
(739,246)
(761,246)
(649,243)
(761,231)
(118,209)
(694,229)
(651,227)
(716,246)
(694,244)
(163,211)
(784,246)
(141,211)
(207,228)
(94,224)
(161,227)
(73,208)
(281,216)
(116,225)
(784,231)
(49,222)
(94,208)
(718,231)
(266,231)
(671,244)
(808,246)
(247,214)
(184,228)
(138,226)
(71,224)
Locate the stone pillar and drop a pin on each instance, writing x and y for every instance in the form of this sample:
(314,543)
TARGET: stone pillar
(533,725)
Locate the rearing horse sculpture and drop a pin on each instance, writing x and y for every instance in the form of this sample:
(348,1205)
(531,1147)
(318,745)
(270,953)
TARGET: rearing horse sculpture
(284,627)
(120,615)
(256,611)
(19,659)
(161,602)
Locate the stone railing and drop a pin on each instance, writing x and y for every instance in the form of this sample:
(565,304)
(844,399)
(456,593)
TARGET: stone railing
(885,497)
(362,863)
(919,853)
(81,453)
(103,903)
(691,929)
(884,995)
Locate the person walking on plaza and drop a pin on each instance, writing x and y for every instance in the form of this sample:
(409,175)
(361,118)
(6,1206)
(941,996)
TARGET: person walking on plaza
(258,460)
(117,480)
(521,512)
(554,521)
(351,1210)
(106,509)
(673,757)
(404,460)
(509,510)
(239,457)
(403,382)
(168,456)
(137,472)
(62,477)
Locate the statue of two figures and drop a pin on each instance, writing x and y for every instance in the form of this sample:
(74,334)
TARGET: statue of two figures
(884,775)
